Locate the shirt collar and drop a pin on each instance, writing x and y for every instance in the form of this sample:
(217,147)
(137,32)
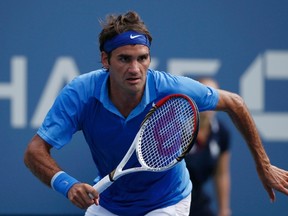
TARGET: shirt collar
(146,99)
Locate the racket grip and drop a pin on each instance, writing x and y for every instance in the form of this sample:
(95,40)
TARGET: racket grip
(102,184)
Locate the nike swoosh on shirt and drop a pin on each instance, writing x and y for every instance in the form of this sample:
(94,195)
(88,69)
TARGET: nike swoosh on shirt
(134,36)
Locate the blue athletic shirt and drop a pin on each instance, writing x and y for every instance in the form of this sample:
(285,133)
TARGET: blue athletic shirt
(84,105)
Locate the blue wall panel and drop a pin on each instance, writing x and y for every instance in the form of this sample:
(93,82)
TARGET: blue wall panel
(237,38)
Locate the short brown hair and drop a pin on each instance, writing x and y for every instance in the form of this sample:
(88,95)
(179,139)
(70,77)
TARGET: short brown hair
(115,25)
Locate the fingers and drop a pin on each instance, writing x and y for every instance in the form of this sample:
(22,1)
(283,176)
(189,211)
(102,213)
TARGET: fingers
(94,196)
(274,178)
(281,180)
(83,195)
(270,193)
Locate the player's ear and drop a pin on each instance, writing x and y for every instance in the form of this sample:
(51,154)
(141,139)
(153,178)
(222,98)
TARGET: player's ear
(105,59)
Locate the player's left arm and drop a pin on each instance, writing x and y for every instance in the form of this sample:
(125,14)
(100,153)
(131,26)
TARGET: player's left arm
(39,160)
(272,177)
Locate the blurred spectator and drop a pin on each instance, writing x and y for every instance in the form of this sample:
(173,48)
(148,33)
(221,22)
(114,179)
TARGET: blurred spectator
(210,158)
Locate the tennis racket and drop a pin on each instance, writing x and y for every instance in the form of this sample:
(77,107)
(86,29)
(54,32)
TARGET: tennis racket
(166,134)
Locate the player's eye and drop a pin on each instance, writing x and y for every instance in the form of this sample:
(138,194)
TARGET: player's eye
(124,58)
(143,57)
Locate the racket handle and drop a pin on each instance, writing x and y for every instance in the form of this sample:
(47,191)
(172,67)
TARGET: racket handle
(102,184)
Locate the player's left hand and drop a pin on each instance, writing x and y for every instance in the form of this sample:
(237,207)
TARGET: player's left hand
(274,178)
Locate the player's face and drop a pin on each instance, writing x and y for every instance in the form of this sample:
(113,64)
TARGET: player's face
(128,68)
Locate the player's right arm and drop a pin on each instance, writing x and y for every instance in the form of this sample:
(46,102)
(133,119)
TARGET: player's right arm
(38,159)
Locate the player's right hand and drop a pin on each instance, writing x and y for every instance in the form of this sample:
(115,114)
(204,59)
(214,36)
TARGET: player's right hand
(81,194)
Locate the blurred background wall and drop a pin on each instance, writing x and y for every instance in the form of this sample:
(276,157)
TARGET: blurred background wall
(44,44)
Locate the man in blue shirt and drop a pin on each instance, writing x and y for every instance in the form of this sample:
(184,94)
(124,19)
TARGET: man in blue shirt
(108,105)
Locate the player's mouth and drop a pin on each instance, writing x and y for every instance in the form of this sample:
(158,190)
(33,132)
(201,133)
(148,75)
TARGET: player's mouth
(134,80)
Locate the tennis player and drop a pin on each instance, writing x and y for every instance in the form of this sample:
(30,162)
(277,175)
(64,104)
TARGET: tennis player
(108,105)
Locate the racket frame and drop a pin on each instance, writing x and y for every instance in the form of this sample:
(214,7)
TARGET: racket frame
(118,171)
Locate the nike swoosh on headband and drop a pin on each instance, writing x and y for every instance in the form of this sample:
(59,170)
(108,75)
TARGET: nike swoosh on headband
(134,36)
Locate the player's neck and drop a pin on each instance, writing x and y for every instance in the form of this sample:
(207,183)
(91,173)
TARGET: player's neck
(125,103)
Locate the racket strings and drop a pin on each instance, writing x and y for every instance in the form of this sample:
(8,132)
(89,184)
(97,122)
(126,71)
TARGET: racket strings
(168,134)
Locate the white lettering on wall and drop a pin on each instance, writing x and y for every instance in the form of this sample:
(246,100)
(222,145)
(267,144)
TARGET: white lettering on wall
(16,92)
(207,67)
(63,72)
(271,65)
